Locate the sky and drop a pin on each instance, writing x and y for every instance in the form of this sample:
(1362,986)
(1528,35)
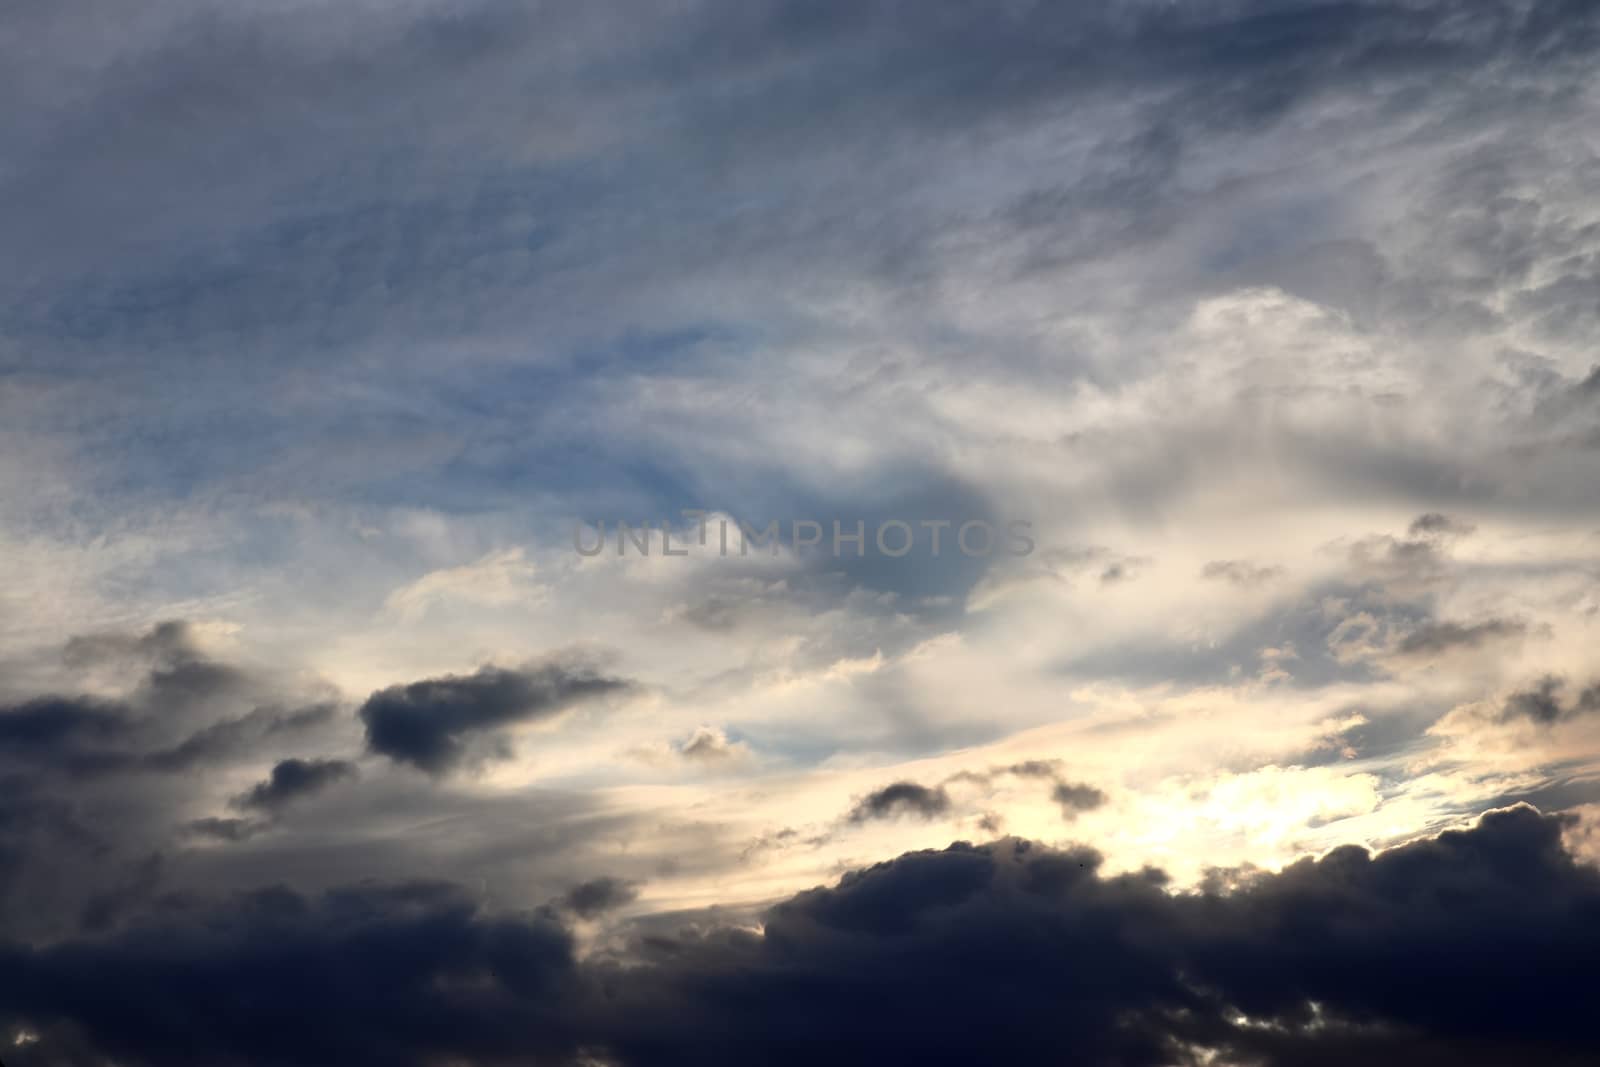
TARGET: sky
(1256,723)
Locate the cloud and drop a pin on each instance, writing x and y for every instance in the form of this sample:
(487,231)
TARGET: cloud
(72,731)
(398,975)
(901,798)
(598,896)
(1436,524)
(709,744)
(1436,638)
(428,723)
(499,579)
(322,322)
(1074,798)
(138,884)
(226,829)
(1009,951)
(292,779)
(1240,572)
(1542,704)
(232,738)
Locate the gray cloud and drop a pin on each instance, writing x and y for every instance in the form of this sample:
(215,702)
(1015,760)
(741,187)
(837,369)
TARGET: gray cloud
(222,829)
(1240,572)
(278,276)
(709,745)
(1342,957)
(292,779)
(598,896)
(428,723)
(1436,524)
(1075,798)
(901,798)
(1543,703)
(1434,638)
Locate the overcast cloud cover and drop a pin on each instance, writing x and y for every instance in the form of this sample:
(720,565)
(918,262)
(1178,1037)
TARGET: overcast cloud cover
(323,324)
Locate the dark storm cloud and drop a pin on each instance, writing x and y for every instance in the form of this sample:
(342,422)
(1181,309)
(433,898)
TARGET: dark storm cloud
(82,736)
(138,884)
(367,976)
(598,896)
(1015,953)
(74,732)
(1472,948)
(95,785)
(295,778)
(428,723)
(175,716)
(901,798)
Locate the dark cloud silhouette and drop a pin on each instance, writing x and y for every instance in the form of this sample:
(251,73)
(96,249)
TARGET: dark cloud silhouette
(1075,798)
(1542,703)
(294,778)
(598,896)
(427,723)
(139,882)
(405,975)
(174,718)
(94,785)
(1436,524)
(67,735)
(1474,948)
(1434,638)
(901,798)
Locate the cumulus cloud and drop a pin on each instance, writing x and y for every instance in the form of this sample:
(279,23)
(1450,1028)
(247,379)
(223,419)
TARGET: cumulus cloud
(428,723)
(1010,950)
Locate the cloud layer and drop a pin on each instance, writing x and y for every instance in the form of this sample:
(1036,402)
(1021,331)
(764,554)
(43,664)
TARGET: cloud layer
(323,325)
(966,954)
